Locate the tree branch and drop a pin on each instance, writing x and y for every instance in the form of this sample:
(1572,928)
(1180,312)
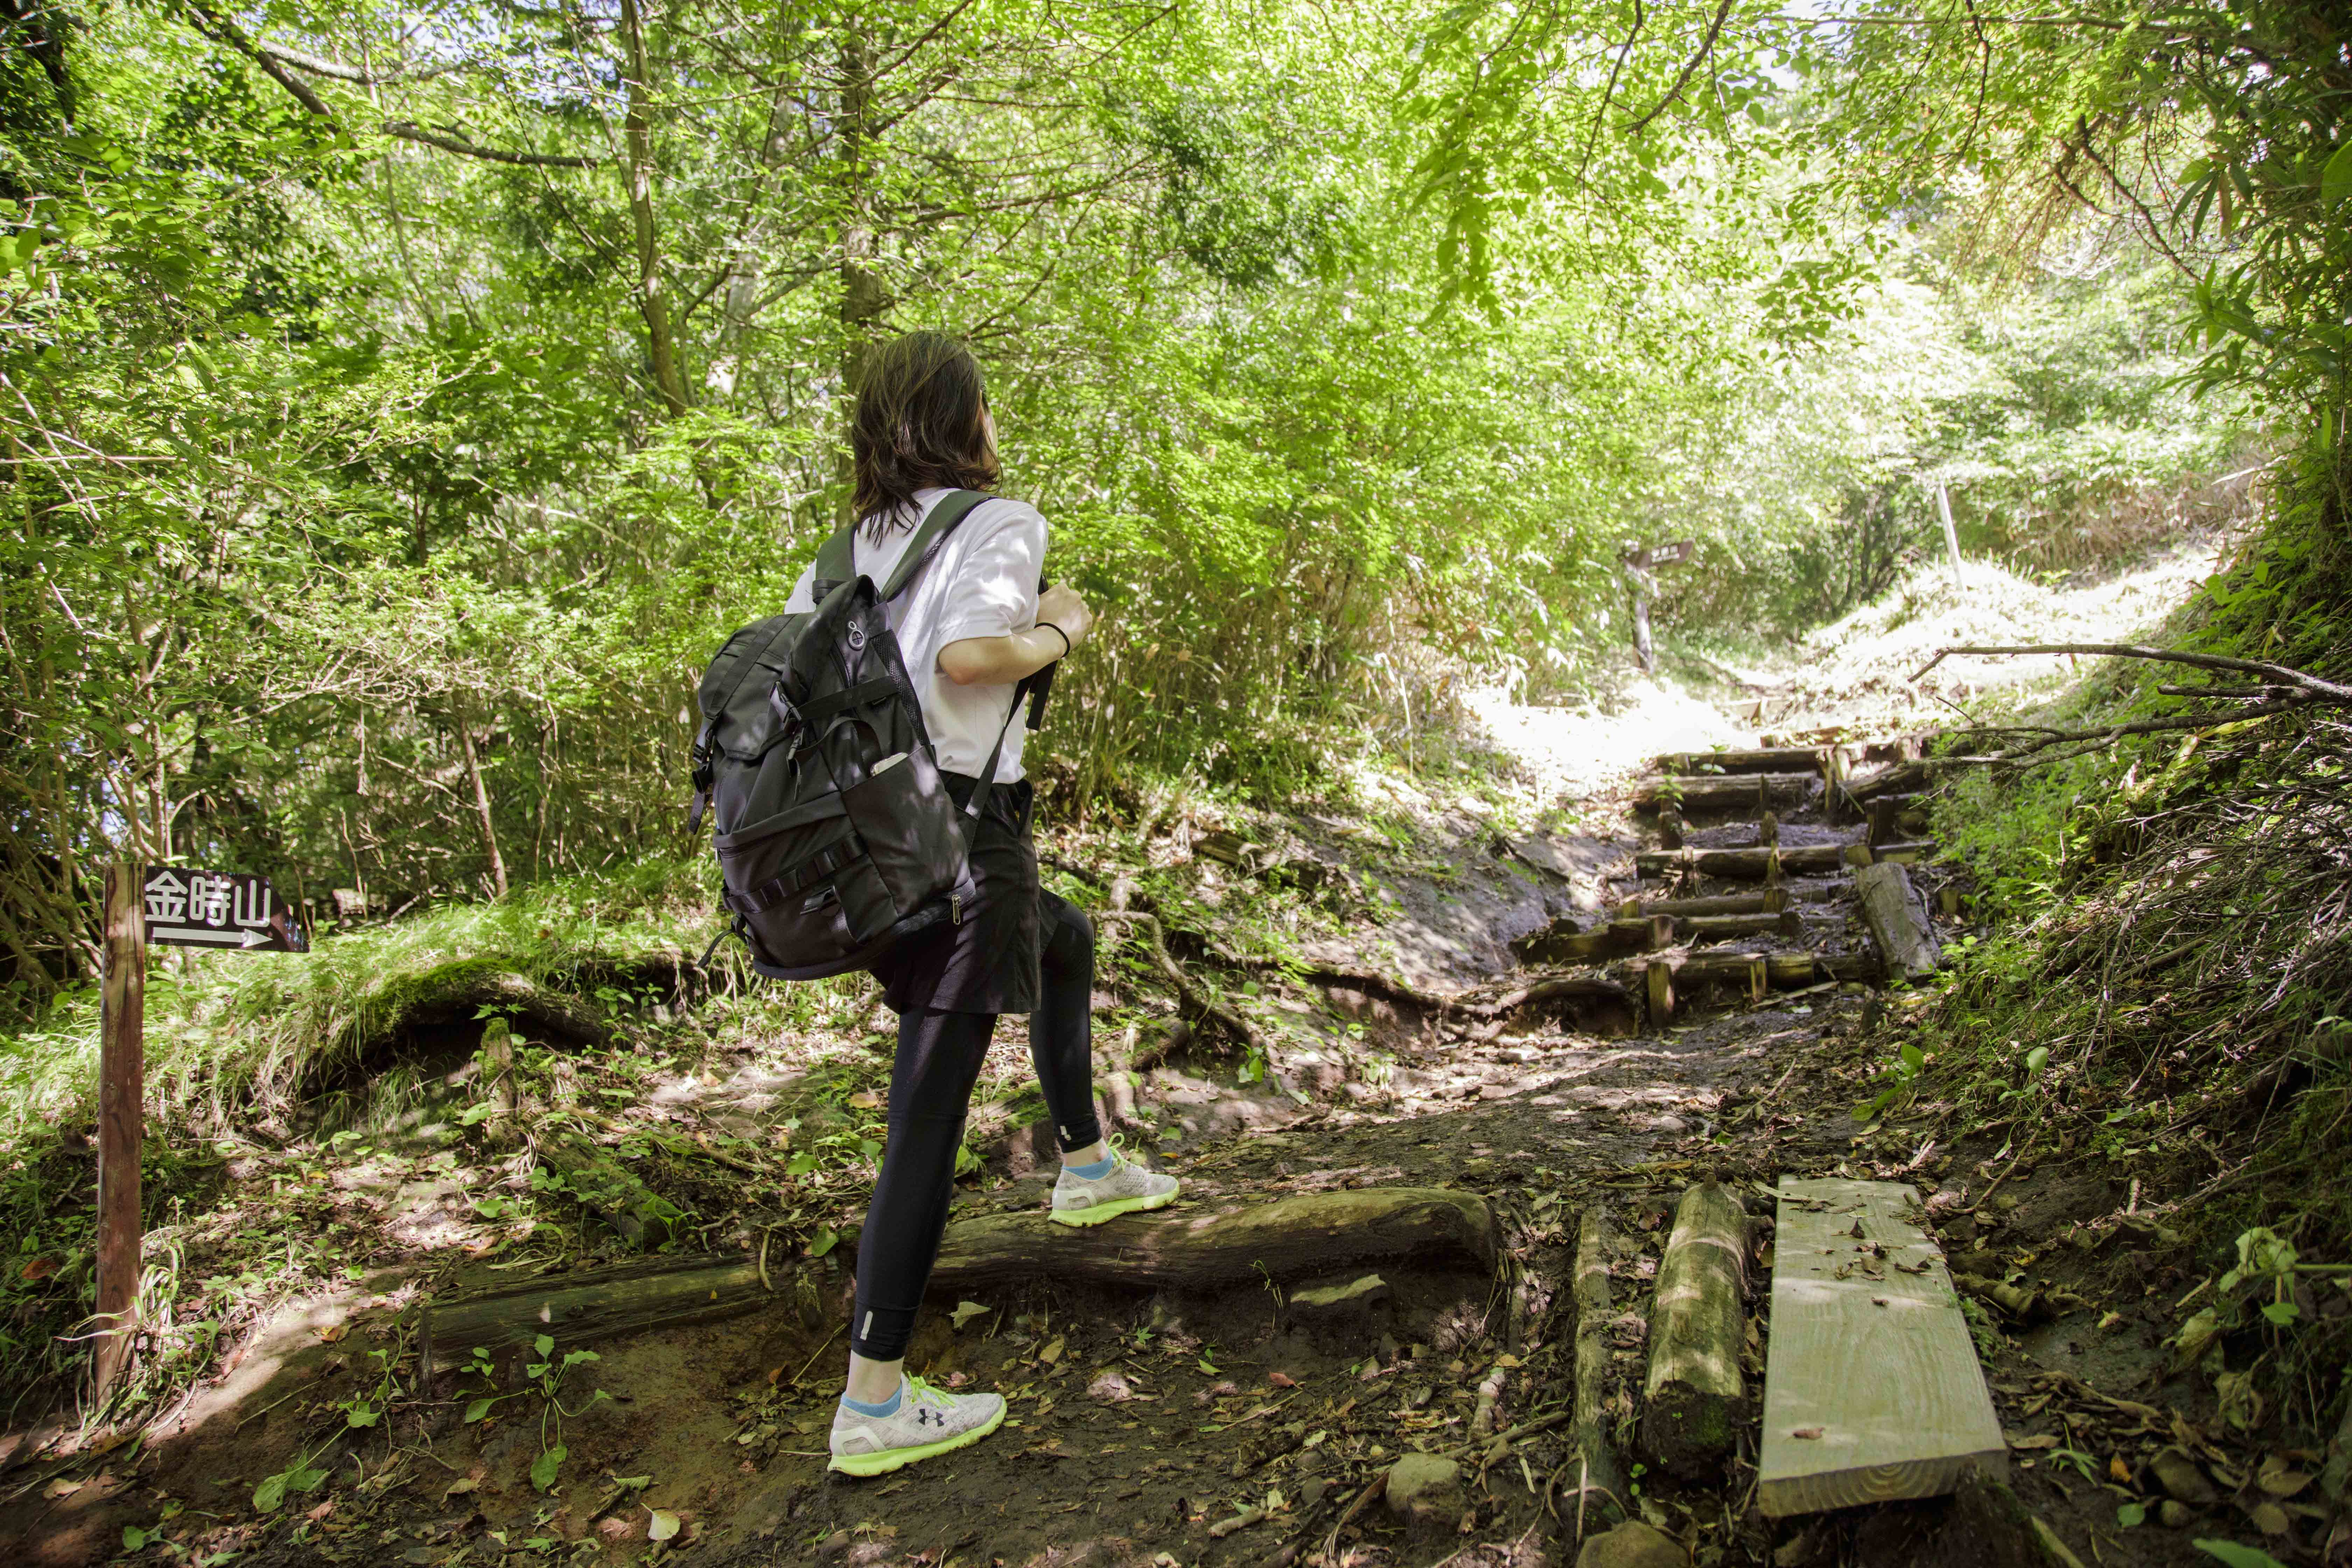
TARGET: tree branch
(1705,48)
(408,131)
(2278,674)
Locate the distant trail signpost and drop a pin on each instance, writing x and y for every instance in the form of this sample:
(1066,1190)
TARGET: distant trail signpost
(1639,562)
(173,906)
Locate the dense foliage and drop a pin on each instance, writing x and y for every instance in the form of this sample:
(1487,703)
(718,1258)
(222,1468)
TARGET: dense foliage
(402,403)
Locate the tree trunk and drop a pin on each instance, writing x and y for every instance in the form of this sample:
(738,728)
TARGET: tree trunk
(636,125)
(1696,1399)
(482,803)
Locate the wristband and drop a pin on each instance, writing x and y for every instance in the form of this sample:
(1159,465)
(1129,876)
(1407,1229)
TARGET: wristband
(1050,627)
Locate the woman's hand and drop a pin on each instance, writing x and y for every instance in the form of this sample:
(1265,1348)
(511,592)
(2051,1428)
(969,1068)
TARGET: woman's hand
(1060,606)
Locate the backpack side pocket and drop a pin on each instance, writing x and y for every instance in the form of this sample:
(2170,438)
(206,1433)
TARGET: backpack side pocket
(911,829)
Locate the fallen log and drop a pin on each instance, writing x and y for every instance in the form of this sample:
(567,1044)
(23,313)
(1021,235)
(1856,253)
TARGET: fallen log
(1723,927)
(1736,791)
(1903,853)
(1695,1400)
(1563,943)
(1593,1465)
(1763,760)
(1745,865)
(580,1309)
(1897,914)
(1231,1242)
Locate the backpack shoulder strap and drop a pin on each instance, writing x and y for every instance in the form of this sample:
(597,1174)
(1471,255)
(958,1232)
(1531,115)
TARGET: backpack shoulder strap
(837,558)
(933,534)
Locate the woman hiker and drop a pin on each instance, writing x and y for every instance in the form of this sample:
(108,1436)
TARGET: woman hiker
(971,624)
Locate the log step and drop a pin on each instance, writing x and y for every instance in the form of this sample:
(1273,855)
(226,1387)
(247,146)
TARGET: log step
(1562,943)
(1724,928)
(1747,865)
(1699,795)
(1239,1240)
(1763,760)
(1771,900)
(1871,1388)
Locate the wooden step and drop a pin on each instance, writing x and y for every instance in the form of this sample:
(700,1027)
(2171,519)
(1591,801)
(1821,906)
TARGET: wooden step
(1872,1389)
(1748,865)
(1726,928)
(1771,900)
(1671,980)
(1895,817)
(1766,760)
(1703,794)
(1561,942)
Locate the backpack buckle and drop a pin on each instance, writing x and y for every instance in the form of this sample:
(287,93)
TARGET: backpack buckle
(787,715)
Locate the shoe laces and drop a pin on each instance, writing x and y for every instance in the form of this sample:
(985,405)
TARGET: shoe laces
(924,1394)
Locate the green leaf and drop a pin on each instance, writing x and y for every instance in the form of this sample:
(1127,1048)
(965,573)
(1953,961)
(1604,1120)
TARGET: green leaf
(478,1409)
(270,1495)
(2238,1556)
(542,1470)
(662,1526)
(133,1538)
(544,1344)
(2131,1515)
(362,1415)
(2334,185)
(823,1241)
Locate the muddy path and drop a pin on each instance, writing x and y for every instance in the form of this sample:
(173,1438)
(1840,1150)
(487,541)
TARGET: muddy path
(1254,1425)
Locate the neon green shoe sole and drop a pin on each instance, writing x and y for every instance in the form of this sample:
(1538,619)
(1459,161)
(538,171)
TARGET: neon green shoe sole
(890,1459)
(1099,1214)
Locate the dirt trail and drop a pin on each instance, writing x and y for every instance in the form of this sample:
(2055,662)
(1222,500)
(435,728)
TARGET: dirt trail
(1228,1425)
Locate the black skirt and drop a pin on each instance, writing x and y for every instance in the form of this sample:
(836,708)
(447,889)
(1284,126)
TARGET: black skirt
(989,963)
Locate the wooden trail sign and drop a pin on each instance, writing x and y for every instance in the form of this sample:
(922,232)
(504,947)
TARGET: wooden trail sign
(1640,560)
(181,908)
(216,909)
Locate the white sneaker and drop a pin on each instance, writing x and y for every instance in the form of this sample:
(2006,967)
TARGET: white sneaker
(927,1421)
(1125,1188)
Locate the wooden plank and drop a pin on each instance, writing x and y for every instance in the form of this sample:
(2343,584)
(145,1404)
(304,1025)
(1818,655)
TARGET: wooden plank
(1872,1390)
(121,1094)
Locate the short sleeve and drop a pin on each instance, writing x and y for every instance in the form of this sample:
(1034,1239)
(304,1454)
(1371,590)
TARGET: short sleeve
(804,597)
(994,592)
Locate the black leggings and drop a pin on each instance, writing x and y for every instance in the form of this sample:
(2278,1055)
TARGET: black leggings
(939,1061)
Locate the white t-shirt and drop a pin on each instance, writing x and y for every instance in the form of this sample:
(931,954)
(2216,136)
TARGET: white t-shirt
(982,583)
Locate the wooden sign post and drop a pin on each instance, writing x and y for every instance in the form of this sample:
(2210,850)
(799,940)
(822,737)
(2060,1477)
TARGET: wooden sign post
(1639,562)
(121,1086)
(171,907)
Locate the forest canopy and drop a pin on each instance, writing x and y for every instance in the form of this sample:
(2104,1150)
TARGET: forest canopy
(402,403)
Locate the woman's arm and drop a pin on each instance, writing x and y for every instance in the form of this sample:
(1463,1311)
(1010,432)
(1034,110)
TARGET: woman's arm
(1000,661)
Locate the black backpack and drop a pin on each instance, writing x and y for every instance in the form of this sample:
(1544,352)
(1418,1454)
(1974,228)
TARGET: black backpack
(837,836)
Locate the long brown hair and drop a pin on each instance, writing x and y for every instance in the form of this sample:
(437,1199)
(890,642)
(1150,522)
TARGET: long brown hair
(918,424)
